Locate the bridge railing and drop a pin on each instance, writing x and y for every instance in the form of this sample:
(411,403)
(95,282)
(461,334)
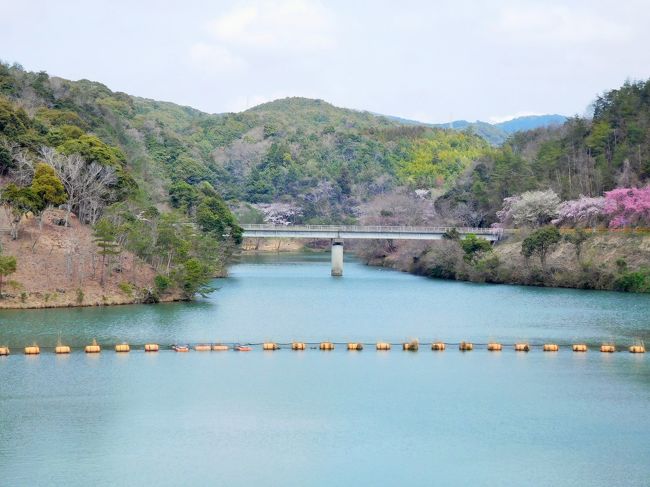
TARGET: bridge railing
(371,228)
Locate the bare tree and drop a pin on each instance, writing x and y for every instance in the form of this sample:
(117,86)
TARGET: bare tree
(88,184)
(23,166)
(403,208)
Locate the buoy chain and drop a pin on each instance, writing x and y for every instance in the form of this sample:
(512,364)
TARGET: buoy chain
(525,346)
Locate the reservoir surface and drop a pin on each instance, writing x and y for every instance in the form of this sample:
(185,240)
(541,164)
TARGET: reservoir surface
(331,418)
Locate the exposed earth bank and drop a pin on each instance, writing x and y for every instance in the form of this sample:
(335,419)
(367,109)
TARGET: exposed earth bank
(59,266)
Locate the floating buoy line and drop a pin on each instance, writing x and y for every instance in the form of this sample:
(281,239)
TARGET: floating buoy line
(411,346)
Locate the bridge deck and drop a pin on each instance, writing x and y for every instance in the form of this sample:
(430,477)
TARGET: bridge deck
(362,232)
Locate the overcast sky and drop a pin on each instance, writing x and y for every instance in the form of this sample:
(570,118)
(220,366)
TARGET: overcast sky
(431,60)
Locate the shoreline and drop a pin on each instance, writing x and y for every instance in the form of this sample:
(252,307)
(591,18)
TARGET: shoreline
(606,263)
(409,261)
(12,305)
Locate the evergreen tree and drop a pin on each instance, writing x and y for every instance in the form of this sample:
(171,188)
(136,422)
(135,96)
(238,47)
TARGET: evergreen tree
(7,267)
(21,201)
(105,233)
(541,242)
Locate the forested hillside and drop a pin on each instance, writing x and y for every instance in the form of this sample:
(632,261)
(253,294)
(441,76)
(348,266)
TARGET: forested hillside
(574,200)
(75,146)
(322,160)
(582,157)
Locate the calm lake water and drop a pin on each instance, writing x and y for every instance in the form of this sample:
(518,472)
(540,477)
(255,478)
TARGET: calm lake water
(331,418)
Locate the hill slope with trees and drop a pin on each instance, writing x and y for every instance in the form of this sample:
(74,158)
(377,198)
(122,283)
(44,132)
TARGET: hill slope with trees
(70,145)
(306,153)
(168,184)
(582,189)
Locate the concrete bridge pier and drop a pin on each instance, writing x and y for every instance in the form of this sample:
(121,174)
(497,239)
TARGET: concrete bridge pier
(337,258)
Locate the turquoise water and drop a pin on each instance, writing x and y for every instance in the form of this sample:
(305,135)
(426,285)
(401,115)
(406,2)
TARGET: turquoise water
(331,418)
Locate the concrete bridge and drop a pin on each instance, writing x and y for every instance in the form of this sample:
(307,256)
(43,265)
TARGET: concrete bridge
(336,233)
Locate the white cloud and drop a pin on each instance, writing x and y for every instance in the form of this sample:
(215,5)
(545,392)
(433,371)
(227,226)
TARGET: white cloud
(557,23)
(215,59)
(292,25)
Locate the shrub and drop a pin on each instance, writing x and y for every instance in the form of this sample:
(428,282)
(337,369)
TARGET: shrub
(636,282)
(441,260)
(127,288)
(452,234)
(474,247)
(80,296)
(443,270)
(487,268)
(162,283)
(15,285)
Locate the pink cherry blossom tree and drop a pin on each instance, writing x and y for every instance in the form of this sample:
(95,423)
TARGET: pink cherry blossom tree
(628,206)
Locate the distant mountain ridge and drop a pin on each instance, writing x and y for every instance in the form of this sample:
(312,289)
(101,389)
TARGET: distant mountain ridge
(530,122)
(494,133)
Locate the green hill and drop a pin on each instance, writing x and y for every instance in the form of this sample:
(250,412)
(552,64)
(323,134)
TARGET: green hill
(304,152)
(323,160)
(580,157)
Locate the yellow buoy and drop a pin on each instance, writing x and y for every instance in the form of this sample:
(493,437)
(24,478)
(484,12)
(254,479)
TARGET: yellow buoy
(551,347)
(202,348)
(94,348)
(298,346)
(579,347)
(62,349)
(4,351)
(522,347)
(270,346)
(494,347)
(355,346)
(220,347)
(412,346)
(151,347)
(122,347)
(607,348)
(438,346)
(383,346)
(327,346)
(465,346)
(637,349)
(33,350)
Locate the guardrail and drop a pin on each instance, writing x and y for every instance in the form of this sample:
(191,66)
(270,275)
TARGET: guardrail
(372,228)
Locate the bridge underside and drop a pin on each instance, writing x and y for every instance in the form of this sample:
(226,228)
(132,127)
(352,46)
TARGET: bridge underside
(337,233)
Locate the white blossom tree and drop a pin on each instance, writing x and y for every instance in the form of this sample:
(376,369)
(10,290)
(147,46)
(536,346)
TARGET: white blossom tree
(529,209)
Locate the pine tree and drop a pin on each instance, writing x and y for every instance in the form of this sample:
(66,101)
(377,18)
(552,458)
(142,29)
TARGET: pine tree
(7,267)
(105,233)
